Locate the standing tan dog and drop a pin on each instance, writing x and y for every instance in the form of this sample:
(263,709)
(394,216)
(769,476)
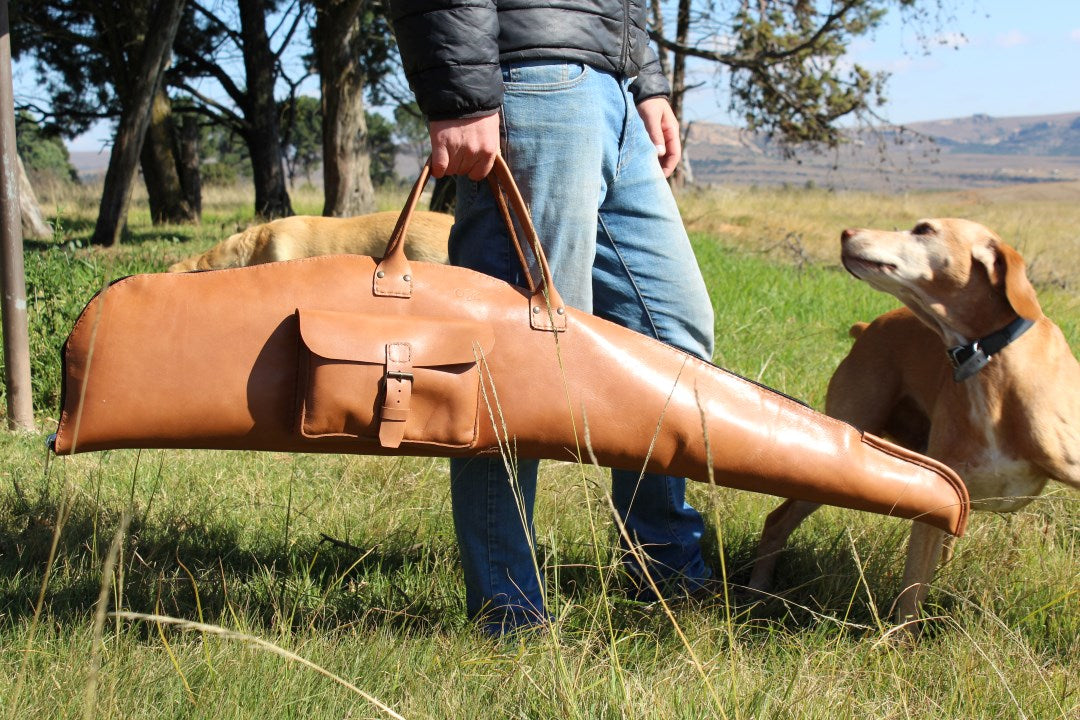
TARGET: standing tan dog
(971,373)
(302,236)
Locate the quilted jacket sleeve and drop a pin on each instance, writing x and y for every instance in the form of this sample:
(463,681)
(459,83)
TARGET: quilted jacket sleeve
(650,82)
(450,52)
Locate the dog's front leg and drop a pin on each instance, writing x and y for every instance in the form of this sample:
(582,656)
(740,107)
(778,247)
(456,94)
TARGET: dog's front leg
(924,552)
(947,549)
(779,525)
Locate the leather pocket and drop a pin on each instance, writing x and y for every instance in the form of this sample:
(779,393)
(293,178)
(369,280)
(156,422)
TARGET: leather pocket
(394,380)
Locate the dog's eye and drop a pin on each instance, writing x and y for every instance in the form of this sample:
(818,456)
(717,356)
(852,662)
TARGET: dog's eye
(923,229)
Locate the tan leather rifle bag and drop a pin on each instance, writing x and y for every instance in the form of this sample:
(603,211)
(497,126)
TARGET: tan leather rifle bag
(350,354)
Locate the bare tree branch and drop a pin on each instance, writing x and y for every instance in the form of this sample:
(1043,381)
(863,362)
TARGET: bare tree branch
(292,30)
(214,19)
(215,71)
(762,57)
(224,114)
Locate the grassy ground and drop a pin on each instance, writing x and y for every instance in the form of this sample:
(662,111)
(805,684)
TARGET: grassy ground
(349,563)
(800,225)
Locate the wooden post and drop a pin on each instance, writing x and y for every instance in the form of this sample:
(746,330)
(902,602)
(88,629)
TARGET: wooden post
(20,408)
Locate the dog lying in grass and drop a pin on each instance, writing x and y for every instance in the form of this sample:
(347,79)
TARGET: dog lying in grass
(302,236)
(970,372)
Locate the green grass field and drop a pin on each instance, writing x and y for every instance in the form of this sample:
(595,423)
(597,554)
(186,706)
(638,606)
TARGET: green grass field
(301,586)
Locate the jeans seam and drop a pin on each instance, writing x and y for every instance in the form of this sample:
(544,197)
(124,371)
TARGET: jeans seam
(624,136)
(504,134)
(630,276)
(489,591)
(671,526)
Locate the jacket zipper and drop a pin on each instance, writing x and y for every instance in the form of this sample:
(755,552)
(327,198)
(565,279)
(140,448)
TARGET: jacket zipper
(625,37)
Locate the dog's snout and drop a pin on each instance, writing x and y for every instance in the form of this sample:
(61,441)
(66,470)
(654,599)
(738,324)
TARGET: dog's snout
(847,234)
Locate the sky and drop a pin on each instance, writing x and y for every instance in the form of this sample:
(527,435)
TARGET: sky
(998,57)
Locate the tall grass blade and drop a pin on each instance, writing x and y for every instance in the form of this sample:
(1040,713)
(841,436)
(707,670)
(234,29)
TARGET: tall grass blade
(187,625)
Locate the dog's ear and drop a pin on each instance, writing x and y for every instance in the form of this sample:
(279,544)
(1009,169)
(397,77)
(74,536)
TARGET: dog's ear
(1006,268)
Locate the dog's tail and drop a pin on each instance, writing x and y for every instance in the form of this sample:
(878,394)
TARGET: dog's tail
(857,329)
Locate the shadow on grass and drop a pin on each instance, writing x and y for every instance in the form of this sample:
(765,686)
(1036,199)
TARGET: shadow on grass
(75,232)
(211,572)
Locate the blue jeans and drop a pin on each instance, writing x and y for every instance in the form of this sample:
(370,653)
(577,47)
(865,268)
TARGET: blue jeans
(617,247)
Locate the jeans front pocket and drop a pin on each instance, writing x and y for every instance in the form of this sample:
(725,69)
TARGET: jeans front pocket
(534,76)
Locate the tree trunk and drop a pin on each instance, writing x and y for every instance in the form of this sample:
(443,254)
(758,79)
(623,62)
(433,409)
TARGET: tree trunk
(263,136)
(686,164)
(347,183)
(190,177)
(33,222)
(160,166)
(681,176)
(134,119)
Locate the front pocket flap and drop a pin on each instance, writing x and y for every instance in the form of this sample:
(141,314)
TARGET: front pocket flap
(358,337)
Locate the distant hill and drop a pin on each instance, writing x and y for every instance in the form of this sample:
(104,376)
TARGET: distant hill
(976,151)
(90,165)
(1043,135)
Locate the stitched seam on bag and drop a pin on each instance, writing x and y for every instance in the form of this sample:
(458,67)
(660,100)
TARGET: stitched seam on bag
(958,487)
(380,290)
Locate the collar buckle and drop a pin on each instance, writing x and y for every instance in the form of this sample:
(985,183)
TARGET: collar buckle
(968,360)
(961,354)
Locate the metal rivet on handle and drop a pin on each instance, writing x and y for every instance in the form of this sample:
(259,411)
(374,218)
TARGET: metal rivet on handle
(407,278)
(536,311)
(561,311)
(380,274)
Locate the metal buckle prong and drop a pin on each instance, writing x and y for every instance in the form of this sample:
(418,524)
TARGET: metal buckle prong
(962,353)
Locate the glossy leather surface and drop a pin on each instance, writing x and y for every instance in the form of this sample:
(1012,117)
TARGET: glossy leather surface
(210,360)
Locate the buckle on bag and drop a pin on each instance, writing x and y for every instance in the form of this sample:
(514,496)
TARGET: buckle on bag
(398,394)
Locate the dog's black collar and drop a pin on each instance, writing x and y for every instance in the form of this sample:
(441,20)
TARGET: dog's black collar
(968,360)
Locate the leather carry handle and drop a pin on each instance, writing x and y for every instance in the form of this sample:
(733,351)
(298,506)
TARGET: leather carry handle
(393,274)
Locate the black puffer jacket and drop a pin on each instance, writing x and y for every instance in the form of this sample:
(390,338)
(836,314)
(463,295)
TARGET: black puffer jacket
(451,49)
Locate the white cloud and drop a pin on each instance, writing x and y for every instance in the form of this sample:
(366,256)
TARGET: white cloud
(1013,38)
(1075,35)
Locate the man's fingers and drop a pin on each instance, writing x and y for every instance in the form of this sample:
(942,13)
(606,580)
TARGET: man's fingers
(454,166)
(656,134)
(663,130)
(464,147)
(673,153)
(462,161)
(440,159)
(482,167)
(668,164)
